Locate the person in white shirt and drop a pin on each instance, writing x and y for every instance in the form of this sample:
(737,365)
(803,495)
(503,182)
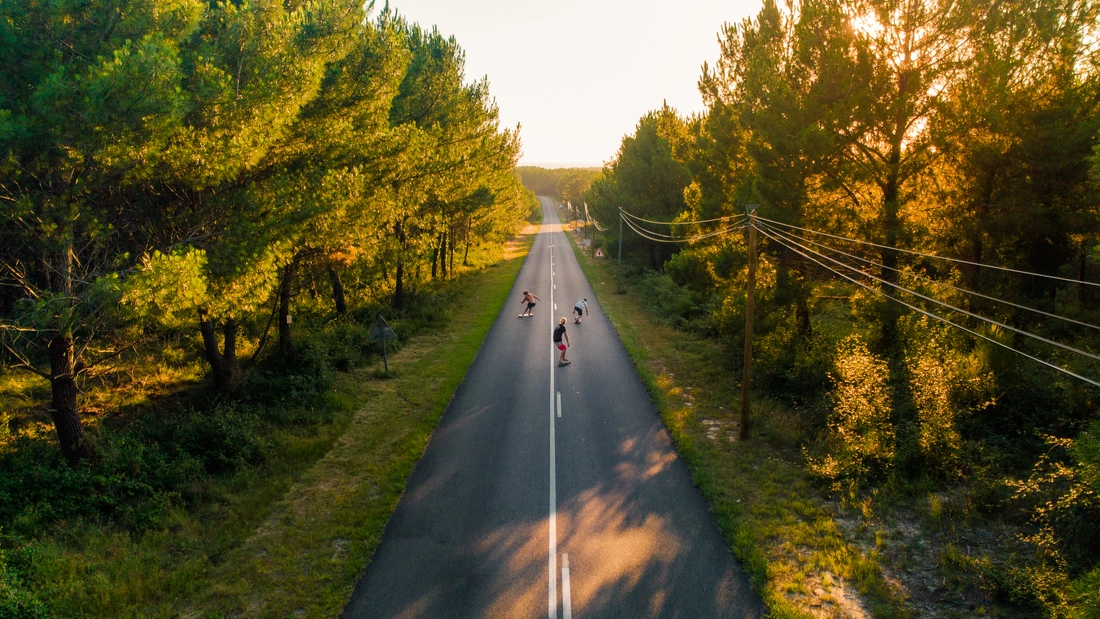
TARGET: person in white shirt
(580,309)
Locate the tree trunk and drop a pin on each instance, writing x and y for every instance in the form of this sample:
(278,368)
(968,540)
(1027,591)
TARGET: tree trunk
(451,267)
(66,419)
(442,253)
(222,366)
(229,348)
(285,288)
(399,288)
(337,291)
(435,262)
(399,282)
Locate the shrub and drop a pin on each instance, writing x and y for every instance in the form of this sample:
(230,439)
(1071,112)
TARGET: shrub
(1064,495)
(946,385)
(17,601)
(691,269)
(859,442)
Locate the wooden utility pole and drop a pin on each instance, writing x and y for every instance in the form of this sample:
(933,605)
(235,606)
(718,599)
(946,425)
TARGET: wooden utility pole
(750,303)
(584,237)
(619,272)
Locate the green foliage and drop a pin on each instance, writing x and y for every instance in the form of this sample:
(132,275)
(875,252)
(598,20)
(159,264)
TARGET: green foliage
(17,597)
(1085,596)
(946,385)
(964,129)
(861,442)
(1065,492)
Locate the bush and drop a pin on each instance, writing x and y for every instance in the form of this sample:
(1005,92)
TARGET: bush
(17,601)
(946,385)
(691,269)
(860,441)
(121,486)
(674,305)
(1063,493)
(287,378)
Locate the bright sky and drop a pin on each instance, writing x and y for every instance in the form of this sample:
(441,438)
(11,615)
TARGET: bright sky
(578,74)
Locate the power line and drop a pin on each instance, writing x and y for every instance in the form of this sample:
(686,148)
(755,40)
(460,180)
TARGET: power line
(948,305)
(929,314)
(938,283)
(655,236)
(917,253)
(680,223)
(647,234)
(593,219)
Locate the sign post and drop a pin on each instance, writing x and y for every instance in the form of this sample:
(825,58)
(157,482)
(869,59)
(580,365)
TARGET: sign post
(382,331)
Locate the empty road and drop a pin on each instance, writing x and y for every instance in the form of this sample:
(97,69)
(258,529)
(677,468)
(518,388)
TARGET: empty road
(552,492)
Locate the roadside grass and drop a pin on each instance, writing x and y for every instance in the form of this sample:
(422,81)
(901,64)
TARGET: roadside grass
(287,538)
(776,522)
(305,558)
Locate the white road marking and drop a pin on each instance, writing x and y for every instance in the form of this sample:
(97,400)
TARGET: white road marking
(555,307)
(559,404)
(566,602)
(552,572)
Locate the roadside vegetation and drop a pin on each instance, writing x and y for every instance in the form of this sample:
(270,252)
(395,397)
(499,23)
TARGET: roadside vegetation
(205,208)
(286,534)
(943,472)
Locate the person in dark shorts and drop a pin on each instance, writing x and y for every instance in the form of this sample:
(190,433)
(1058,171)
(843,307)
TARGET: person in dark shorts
(561,342)
(580,309)
(529,299)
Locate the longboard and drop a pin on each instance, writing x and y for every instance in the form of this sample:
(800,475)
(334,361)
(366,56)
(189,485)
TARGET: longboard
(526,316)
(565,363)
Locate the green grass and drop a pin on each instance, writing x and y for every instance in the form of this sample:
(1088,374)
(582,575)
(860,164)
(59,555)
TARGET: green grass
(788,538)
(290,537)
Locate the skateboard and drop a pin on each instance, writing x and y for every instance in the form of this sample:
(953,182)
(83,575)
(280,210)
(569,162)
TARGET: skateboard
(564,363)
(526,316)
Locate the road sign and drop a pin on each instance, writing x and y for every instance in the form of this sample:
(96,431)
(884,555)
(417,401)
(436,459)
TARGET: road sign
(587,242)
(381,330)
(599,253)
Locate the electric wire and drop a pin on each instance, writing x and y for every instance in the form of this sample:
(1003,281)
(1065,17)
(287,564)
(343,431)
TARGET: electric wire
(930,280)
(948,305)
(930,314)
(650,235)
(680,223)
(593,219)
(917,253)
(672,237)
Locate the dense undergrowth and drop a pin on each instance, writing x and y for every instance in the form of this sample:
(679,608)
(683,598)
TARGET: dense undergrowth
(958,435)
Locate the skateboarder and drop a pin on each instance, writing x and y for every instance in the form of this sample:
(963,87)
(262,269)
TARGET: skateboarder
(529,299)
(580,309)
(561,342)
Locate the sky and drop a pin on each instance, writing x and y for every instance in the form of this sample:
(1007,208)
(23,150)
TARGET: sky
(577,75)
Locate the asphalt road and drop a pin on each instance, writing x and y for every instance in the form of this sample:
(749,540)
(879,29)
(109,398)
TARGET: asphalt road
(524,507)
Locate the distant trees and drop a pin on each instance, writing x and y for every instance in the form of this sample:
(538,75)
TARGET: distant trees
(173,163)
(645,178)
(561,184)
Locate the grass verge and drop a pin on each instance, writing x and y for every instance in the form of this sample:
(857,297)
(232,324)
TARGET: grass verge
(786,535)
(305,558)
